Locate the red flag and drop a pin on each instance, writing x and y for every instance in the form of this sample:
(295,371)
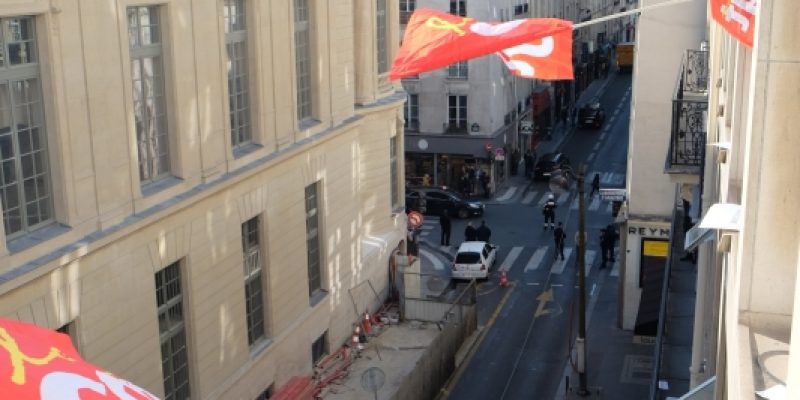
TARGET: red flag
(738,17)
(435,39)
(548,58)
(36,363)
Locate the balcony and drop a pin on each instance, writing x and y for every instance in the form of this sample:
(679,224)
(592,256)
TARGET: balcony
(689,109)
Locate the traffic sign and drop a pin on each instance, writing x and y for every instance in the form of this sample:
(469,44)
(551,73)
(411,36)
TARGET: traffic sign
(415,219)
(488,147)
(500,151)
(613,194)
(526,127)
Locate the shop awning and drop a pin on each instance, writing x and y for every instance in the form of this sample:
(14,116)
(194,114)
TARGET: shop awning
(466,145)
(720,216)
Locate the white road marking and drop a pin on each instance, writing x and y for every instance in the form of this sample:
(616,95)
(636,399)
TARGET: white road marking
(575,203)
(536,259)
(529,197)
(508,194)
(596,146)
(595,203)
(591,157)
(559,265)
(590,255)
(424,233)
(610,207)
(427,227)
(510,258)
(543,199)
(437,264)
(563,197)
(532,283)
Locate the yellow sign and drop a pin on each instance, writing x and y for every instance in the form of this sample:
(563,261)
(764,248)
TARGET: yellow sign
(655,248)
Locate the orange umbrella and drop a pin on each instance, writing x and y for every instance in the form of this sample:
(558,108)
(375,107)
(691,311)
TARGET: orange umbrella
(37,363)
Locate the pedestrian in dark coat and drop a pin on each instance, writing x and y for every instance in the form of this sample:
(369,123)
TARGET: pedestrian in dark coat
(595,185)
(483,232)
(608,239)
(444,223)
(559,236)
(528,163)
(470,233)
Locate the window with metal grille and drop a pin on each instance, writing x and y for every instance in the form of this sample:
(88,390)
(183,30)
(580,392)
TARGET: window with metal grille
(459,70)
(149,104)
(235,17)
(25,189)
(319,348)
(457,113)
(407,8)
(313,239)
(458,7)
(302,58)
(172,335)
(411,111)
(380,36)
(254,299)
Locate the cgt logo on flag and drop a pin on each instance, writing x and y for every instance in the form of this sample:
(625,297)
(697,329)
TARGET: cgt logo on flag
(435,39)
(548,58)
(737,17)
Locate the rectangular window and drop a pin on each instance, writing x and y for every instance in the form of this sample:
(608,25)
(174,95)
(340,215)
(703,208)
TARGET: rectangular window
(459,70)
(412,112)
(149,105)
(302,58)
(254,299)
(457,113)
(24,164)
(395,178)
(171,329)
(313,239)
(380,36)
(458,7)
(319,348)
(406,9)
(236,47)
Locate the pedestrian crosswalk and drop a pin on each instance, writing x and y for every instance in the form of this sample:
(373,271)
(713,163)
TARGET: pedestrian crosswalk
(529,258)
(538,197)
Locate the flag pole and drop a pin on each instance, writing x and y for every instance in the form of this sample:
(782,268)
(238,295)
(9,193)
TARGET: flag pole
(629,12)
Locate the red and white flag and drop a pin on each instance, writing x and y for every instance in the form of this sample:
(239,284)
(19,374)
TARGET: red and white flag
(549,58)
(738,17)
(435,39)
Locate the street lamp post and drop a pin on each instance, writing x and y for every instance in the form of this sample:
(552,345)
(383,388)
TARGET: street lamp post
(580,342)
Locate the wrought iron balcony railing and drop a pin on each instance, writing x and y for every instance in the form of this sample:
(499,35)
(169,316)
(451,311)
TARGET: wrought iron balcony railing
(689,109)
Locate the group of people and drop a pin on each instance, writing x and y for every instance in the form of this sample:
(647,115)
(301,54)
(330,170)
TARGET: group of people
(608,235)
(471,179)
(482,233)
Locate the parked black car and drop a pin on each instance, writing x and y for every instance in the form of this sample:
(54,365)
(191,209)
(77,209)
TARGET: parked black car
(548,163)
(591,115)
(434,200)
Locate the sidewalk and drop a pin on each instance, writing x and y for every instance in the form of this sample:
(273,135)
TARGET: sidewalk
(561,132)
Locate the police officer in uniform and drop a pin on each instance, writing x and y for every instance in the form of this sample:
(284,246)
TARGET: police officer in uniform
(549,212)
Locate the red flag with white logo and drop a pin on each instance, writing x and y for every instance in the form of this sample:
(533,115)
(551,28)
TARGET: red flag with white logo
(435,39)
(738,17)
(548,58)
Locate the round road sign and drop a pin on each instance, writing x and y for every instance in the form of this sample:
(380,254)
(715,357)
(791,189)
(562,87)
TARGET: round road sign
(415,219)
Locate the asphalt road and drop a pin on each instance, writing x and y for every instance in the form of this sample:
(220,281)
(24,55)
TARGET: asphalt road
(530,331)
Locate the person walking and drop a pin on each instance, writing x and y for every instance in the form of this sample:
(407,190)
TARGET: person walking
(595,185)
(483,233)
(608,239)
(549,212)
(559,236)
(528,158)
(444,223)
(470,233)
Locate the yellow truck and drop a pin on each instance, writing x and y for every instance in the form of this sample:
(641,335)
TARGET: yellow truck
(625,56)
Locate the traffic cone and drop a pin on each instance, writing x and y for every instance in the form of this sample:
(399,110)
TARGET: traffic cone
(367,323)
(356,341)
(503,279)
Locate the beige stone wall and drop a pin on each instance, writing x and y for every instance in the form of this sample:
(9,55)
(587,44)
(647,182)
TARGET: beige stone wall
(99,272)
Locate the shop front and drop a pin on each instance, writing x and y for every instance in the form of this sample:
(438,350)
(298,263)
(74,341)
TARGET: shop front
(643,250)
(442,160)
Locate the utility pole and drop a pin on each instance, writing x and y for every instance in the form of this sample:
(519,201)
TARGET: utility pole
(580,342)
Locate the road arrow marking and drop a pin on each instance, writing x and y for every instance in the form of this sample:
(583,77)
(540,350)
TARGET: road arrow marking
(543,298)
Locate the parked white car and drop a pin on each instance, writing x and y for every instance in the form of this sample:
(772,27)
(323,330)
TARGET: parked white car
(473,260)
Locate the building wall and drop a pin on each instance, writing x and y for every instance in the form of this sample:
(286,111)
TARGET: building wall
(651,193)
(95,268)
